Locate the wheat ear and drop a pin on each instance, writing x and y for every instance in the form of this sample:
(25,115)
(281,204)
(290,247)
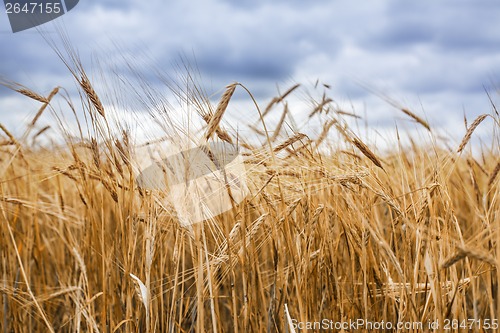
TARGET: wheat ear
(471,130)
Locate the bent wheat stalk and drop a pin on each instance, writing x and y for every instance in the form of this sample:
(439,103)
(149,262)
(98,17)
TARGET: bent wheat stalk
(215,119)
(469,132)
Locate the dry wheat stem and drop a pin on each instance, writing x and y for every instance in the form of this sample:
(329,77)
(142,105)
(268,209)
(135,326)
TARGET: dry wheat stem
(324,132)
(44,106)
(280,123)
(216,118)
(290,141)
(92,95)
(279,99)
(320,106)
(367,152)
(41,131)
(469,132)
(416,118)
(9,135)
(32,95)
(349,114)
(286,93)
(463,252)
(493,175)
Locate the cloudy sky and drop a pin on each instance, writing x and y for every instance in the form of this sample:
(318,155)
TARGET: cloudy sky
(434,57)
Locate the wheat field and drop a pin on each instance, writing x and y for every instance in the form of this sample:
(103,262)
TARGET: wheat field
(333,230)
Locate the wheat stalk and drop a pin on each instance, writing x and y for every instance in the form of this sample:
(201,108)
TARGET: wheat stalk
(33,95)
(416,118)
(325,101)
(215,119)
(44,106)
(279,99)
(469,132)
(367,152)
(280,123)
(289,327)
(463,252)
(92,95)
(9,135)
(290,141)
(349,114)
(324,132)
(493,175)
(286,93)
